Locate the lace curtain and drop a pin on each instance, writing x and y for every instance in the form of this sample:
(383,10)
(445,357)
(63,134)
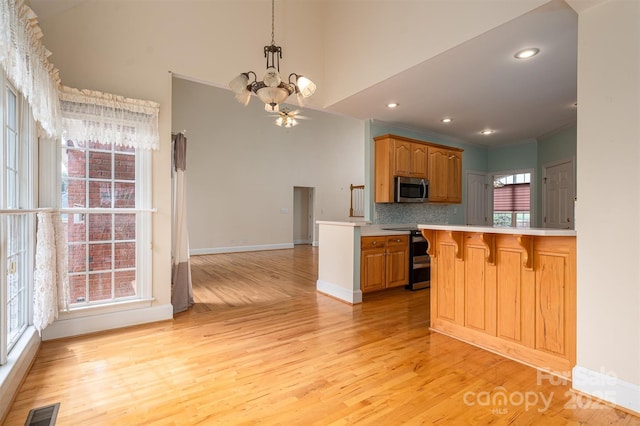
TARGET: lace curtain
(24,60)
(50,279)
(95,116)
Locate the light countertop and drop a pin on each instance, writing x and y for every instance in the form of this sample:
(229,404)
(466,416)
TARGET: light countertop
(367,229)
(543,232)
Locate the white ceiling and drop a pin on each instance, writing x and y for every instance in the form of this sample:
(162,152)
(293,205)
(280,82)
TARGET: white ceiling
(481,85)
(478,83)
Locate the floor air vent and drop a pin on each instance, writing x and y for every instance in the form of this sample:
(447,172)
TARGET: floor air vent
(43,416)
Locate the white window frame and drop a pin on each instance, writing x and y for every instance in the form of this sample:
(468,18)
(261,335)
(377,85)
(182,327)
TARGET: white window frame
(27,178)
(143,211)
(532,192)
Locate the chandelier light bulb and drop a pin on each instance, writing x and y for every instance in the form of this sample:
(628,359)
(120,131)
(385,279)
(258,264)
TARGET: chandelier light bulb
(244,97)
(305,86)
(239,84)
(272,77)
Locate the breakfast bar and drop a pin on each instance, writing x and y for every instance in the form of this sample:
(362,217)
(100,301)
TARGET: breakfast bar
(511,291)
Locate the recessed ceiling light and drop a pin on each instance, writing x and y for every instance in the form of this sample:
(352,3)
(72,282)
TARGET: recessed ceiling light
(392,105)
(447,120)
(527,53)
(487,131)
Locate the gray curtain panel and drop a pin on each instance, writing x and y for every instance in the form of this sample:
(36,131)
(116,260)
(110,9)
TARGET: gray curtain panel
(181,288)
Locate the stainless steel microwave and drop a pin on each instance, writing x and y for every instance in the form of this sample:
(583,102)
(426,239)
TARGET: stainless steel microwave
(411,190)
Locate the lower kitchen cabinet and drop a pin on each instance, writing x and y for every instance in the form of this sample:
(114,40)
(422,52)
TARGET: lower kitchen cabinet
(384,262)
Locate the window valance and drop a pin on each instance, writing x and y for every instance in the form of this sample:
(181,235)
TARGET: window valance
(89,115)
(24,60)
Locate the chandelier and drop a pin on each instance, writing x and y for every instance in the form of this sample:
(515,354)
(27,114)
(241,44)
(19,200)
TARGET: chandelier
(271,90)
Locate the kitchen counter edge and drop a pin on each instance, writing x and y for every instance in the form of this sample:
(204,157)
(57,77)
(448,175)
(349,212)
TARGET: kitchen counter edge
(370,230)
(542,232)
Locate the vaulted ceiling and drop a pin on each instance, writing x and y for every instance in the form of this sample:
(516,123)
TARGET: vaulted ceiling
(478,83)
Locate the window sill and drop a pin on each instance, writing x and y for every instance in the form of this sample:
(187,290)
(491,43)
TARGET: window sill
(86,311)
(18,363)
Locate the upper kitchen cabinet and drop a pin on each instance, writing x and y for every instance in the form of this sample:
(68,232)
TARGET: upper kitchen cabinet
(400,156)
(397,156)
(410,159)
(445,174)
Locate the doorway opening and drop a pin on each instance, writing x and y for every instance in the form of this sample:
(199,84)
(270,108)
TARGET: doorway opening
(303,223)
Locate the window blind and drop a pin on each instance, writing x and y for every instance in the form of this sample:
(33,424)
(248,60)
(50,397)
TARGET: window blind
(512,198)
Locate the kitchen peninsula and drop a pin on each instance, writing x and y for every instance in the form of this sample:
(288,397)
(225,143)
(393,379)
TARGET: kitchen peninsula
(509,290)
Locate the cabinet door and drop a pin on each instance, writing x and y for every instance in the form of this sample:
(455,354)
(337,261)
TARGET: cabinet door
(454,177)
(419,161)
(555,303)
(372,270)
(402,163)
(480,286)
(397,261)
(384,170)
(438,173)
(447,281)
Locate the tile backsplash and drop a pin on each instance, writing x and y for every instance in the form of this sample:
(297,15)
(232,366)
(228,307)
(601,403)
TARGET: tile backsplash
(410,213)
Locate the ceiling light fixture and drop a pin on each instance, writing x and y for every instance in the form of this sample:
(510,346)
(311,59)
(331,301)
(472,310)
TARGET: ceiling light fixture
(286,118)
(393,105)
(447,120)
(527,53)
(271,90)
(487,132)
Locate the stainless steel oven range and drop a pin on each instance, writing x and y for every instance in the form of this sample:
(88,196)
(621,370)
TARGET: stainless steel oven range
(419,262)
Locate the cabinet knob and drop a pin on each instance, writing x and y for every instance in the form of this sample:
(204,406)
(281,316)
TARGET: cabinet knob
(398,240)
(374,243)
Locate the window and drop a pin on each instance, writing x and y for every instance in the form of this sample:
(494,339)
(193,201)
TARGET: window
(512,200)
(100,199)
(17,243)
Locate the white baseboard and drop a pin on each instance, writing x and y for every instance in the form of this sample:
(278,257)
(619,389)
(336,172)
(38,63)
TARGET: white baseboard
(339,292)
(606,387)
(106,321)
(238,249)
(17,366)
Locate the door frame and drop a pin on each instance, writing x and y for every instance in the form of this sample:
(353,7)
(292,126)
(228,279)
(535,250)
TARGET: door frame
(309,192)
(544,201)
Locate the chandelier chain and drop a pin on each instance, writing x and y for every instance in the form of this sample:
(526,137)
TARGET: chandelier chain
(273,19)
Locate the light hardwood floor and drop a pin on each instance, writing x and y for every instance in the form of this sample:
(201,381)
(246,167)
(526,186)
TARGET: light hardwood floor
(262,347)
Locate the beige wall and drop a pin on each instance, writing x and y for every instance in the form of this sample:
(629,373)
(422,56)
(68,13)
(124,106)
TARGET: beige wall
(607,211)
(242,168)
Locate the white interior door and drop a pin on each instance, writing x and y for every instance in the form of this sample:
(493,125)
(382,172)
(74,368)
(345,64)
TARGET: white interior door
(477,199)
(558,196)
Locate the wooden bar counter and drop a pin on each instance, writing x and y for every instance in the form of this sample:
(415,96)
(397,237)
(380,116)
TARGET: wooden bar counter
(509,290)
